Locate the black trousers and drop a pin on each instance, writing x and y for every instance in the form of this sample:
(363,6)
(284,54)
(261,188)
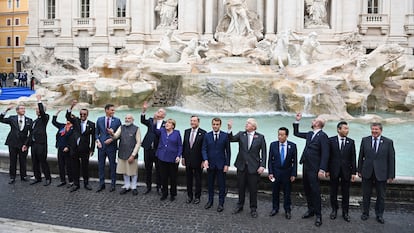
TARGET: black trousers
(65,165)
(367,185)
(77,160)
(193,174)
(345,184)
(168,175)
(39,156)
(14,153)
(249,181)
(149,160)
(312,190)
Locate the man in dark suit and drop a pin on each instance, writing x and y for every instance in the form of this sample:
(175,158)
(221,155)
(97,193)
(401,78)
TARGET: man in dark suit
(82,145)
(314,158)
(341,168)
(150,145)
(282,170)
(38,141)
(20,125)
(216,156)
(107,146)
(192,158)
(376,166)
(250,163)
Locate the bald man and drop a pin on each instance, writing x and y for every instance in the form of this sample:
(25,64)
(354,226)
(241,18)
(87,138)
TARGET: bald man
(314,158)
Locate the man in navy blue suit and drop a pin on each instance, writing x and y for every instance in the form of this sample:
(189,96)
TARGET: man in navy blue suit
(315,163)
(216,156)
(282,170)
(107,146)
(342,168)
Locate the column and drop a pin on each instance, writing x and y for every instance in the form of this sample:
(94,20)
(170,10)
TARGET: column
(270,19)
(208,18)
(188,12)
(34,17)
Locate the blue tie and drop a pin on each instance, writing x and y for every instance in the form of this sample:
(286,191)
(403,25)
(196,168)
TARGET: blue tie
(282,154)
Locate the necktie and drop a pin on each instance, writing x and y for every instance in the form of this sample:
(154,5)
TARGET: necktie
(282,154)
(342,143)
(192,138)
(107,122)
(83,124)
(20,123)
(215,137)
(375,145)
(249,140)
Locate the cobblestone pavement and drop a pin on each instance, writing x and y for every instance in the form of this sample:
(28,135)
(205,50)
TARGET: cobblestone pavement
(113,212)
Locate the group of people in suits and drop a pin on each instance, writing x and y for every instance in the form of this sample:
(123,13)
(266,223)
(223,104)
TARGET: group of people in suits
(335,157)
(322,157)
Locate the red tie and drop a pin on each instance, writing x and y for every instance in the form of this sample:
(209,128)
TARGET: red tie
(107,122)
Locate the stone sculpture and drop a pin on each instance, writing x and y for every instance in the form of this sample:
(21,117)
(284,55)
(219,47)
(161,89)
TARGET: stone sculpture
(317,15)
(167,10)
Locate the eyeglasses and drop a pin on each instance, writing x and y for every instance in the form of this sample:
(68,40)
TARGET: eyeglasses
(83,114)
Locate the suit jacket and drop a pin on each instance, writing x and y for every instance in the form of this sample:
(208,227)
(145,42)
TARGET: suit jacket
(344,159)
(170,146)
(150,138)
(382,162)
(61,141)
(217,153)
(192,155)
(86,139)
(290,164)
(16,137)
(254,157)
(316,152)
(102,135)
(38,133)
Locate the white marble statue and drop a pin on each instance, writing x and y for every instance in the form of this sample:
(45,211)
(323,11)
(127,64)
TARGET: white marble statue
(317,14)
(280,50)
(167,10)
(164,50)
(309,45)
(239,22)
(191,49)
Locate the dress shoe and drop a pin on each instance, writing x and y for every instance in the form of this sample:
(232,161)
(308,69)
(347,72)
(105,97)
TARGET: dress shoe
(102,187)
(220,208)
(380,219)
(124,191)
(172,198)
(197,201)
(253,213)
(273,212)
(318,221)
(308,214)
(61,184)
(47,182)
(35,182)
(74,188)
(364,217)
(70,185)
(112,189)
(134,192)
(237,210)
(87,187)
(23,179)
(189,200)
(208,205)
(163,198)
(333,214)
(11,181)
(147,191)
(346,217)
(288,215)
